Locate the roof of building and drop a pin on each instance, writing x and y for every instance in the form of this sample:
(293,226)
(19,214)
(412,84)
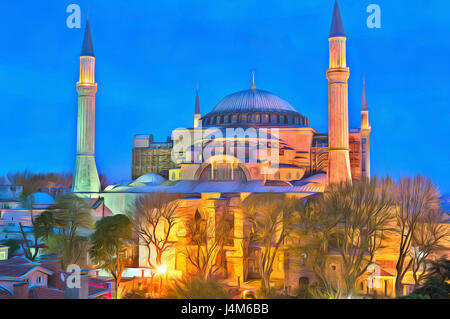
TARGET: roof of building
(312,185)
(5,293)
(150,178)
(40,292)
(252,101)
(87,48)
(337,27)
(18,271)
(16,260)
(41,198)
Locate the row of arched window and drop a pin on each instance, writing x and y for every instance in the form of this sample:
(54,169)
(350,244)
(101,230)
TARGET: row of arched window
(256,118)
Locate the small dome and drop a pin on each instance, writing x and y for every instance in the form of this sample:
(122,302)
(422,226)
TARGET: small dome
(40,198)
(150,178)
(252,101)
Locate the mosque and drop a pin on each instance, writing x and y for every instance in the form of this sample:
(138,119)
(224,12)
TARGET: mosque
(272,147)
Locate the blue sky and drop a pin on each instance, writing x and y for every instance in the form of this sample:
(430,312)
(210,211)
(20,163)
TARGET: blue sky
(151,54)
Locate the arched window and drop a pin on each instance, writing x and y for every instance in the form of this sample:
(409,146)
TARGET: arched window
(223,172)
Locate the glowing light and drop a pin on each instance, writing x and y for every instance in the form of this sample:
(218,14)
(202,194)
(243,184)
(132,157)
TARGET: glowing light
(161,270)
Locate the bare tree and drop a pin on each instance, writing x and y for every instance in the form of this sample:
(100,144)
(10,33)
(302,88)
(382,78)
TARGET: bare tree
(349,222)
(207,237)
(426,240)
(271,219)
(415,198)
(153,217)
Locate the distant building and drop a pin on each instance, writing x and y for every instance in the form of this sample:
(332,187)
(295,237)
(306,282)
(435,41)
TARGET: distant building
(21,278)
(10,196)
(151,157)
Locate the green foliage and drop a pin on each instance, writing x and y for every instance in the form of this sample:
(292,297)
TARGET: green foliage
(61,227)
(13,245)
(136,294)
(73,251)
(110,240)
(414,297)
(436,284)
(197,288)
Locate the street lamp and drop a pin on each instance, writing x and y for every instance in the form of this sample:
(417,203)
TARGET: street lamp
(161,271)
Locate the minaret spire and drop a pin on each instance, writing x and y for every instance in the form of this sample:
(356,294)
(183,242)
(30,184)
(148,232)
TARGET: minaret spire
(87,48)
(364,98)
(337,27)
(365,134)
(197,103)
(197,114)
(253,87)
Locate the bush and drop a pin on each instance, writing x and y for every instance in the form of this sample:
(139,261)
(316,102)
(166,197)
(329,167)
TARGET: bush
(414,297)
(136,294)
(197,288)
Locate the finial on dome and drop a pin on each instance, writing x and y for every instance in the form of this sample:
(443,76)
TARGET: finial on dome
(253,87)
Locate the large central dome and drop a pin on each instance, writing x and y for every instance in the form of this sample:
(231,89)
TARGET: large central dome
(252,101)
(253,107)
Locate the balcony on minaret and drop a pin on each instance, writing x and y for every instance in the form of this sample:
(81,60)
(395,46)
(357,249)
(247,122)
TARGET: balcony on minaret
(337,52)
(87,70)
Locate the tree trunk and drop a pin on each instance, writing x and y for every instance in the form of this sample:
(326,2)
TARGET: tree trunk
(398,286)
(265,283)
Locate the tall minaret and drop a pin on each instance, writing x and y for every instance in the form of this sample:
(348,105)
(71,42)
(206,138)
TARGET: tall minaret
(197,114)
(365,134)
(86,177)
(337,75)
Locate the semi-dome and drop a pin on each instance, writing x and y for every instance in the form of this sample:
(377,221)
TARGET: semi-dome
(254,107)
(150,178)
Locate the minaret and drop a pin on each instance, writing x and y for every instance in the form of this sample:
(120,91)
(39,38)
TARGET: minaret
(365,135)
(337,75)
(86,177)
(197,114)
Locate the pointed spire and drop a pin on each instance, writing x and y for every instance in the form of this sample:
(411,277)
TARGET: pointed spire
(197,103)
(364,99)
(88,48)
(253,87)
(337,27)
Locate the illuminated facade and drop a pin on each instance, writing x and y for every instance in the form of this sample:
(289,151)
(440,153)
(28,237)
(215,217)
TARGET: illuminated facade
(272,148)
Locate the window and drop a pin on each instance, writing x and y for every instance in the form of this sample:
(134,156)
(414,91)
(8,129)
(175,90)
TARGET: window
(40,279)
(303,259)
(333,267)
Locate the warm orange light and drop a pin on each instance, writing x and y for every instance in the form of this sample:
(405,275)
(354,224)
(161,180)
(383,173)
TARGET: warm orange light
(161,270)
